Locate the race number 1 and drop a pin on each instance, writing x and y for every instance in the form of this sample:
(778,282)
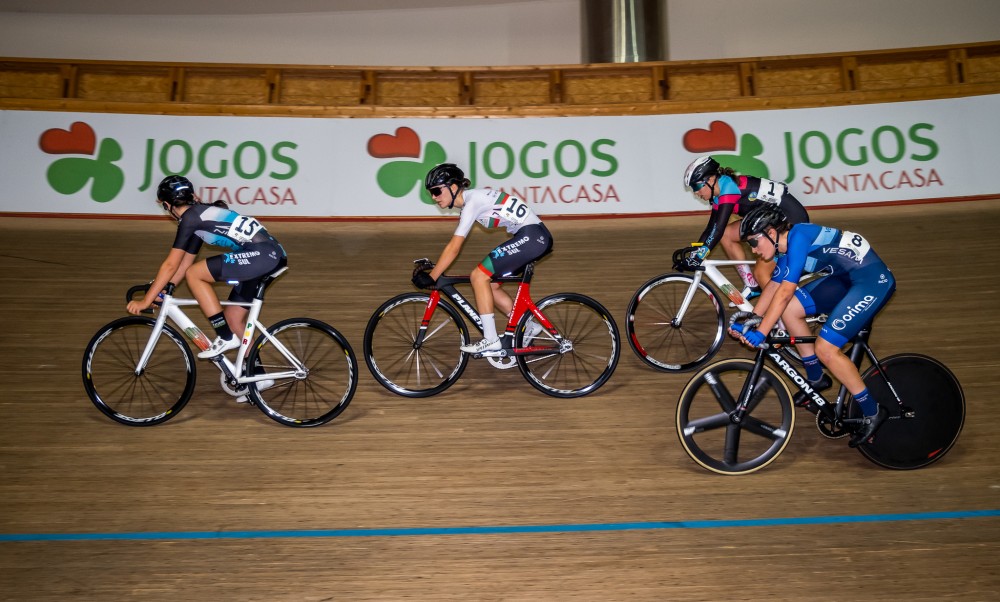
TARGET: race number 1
(770,191)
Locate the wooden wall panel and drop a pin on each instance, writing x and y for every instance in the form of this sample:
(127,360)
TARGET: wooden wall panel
(320,88)
(401,90)
(237,87)
(30,81)
(708,84)
(628,88)
(790,80)
(125,85)
(877,75)
(513,90)
(602,87)
(982,69)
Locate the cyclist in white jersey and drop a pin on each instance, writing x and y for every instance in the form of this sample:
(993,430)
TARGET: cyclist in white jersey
(531,240)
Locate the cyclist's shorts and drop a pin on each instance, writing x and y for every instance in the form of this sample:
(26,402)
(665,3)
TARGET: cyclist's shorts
(527,245)
(849,305)
(245,267)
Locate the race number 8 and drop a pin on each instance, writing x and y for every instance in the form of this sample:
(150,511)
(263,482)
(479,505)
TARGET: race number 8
(856,243)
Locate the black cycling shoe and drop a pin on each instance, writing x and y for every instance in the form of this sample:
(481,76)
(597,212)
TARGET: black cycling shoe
(868,427)
(801,399)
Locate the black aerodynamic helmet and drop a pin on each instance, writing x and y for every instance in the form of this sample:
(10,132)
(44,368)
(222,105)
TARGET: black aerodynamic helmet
(445,174)
(175,191)
(699,170)
(760,219)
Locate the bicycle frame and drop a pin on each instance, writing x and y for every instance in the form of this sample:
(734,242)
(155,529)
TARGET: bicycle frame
(710,268)
(522,304)
(171,308)
(834,412)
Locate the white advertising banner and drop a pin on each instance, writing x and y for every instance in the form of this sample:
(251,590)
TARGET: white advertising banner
(96,163)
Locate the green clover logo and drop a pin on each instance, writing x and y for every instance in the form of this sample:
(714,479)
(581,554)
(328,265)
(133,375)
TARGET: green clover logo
(71,174)
(398,178)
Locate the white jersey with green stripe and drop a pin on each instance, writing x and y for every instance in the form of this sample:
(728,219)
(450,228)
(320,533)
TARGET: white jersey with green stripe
(494,209)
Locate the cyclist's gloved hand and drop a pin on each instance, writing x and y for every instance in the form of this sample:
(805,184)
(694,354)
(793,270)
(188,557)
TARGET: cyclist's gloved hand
(754,338)
(422,279)
(742,321)
(694,256)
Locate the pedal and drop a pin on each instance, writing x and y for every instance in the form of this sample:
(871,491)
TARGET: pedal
(497,353)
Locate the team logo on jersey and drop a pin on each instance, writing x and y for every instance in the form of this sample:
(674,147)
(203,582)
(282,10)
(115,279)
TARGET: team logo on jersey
(409,164)
(88,162)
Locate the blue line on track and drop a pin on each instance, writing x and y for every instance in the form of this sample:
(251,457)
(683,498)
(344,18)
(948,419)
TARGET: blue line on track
(495,530)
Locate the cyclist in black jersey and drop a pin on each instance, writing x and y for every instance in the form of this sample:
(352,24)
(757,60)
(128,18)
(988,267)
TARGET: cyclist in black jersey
(253,254)
(729,193)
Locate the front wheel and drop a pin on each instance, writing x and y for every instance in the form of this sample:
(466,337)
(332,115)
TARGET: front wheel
(710,435)
(926,421)
(314,368)
(154,395)
(583,358)
(407,367)
(663,338)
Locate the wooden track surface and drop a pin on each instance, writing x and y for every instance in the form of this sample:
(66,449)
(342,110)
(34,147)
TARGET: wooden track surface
(236,507)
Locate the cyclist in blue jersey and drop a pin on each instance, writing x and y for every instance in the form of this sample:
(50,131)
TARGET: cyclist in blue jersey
(728,193)
(253,254)
(530,240)
(856,284)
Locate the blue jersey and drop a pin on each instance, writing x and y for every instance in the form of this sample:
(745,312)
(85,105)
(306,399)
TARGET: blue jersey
(812,248)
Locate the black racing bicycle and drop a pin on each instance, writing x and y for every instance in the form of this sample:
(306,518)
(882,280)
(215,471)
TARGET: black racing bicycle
(736,416)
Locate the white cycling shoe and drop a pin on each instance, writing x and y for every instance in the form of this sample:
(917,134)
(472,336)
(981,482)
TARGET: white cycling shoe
(483,345)
(219,345)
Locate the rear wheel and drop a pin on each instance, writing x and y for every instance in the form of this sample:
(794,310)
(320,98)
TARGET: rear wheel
(151,397)
(584,355)
(320,390)
(704,418)
(927,424)
(668,343)
(398,363)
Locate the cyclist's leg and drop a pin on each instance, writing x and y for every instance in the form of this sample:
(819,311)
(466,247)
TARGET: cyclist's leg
(733,246)
(200,280)
(530,243)
(855,310)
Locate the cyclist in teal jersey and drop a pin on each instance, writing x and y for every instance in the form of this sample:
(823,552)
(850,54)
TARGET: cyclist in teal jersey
(253,254)
(731,193)
(530,240)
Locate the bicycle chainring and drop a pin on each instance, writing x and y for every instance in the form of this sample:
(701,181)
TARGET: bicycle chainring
(503,363)
(828,429)
(230,389)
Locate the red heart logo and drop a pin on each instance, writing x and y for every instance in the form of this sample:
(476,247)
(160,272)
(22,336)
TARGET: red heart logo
(79,139)
(406,143)
(718,136)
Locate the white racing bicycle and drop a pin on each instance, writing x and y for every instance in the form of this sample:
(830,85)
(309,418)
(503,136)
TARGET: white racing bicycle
(140,371)
(676,322)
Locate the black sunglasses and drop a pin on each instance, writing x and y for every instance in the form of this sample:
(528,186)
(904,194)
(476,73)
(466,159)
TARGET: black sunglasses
(436,191)
(696,186)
